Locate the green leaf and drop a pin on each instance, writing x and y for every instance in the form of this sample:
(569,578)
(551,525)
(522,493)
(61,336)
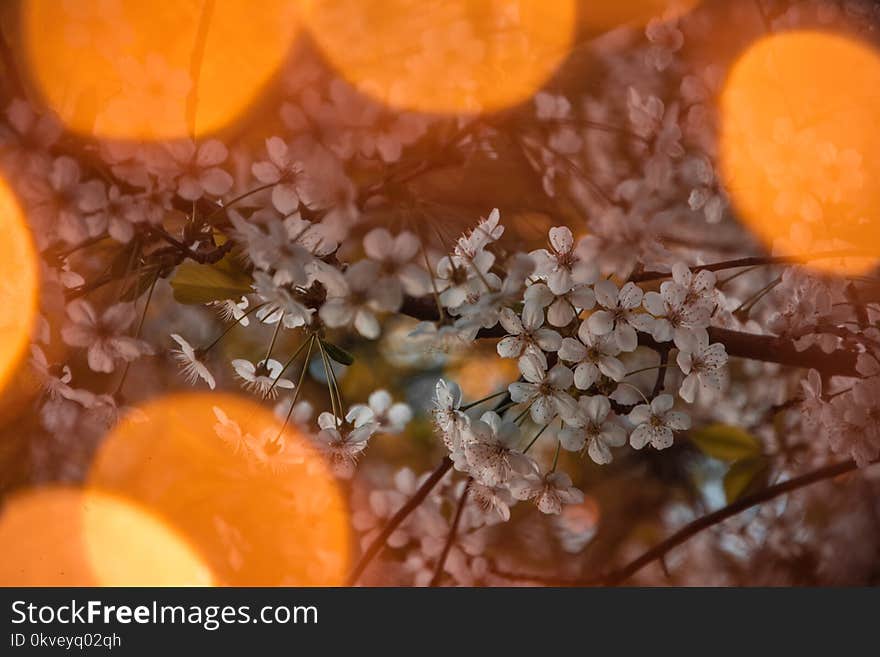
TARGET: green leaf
(743,475)
(196,284)
(725,442)
(338,354)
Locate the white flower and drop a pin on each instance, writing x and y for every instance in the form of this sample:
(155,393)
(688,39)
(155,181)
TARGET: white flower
(702,363)
(115,216)
(527,335)
(655,423)
(549,492)
(102,336)
(60,201)
(278,304)
(593,355)
(191,362)
(262,379)
(684,304)
(230,432)
(459,277)
(858,410)
(282,172)
(560,265)
(54,380)
(592,427)
(395,257)
(199,173)
(487,231)
(490,449)
(342,448)
(563,308)
(545,392)
(355,296)
(618,315)
(231,310)
(492,502)
(379,409)
(666,39)
(451,422)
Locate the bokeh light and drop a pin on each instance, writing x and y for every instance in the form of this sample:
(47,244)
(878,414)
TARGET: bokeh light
(444,57)
(62,536)
(261,511)
(19,283)
(799,145)
(129,69)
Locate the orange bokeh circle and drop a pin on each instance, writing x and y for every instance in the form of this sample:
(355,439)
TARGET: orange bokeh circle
(64,536)
(130,69)
(19,284)
(261,511)
(456,56)
(800,146)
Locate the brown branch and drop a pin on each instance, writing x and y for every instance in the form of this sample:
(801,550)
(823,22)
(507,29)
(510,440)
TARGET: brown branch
(620,575)
(767,348)
(755,261)
(453,532)
(378,543)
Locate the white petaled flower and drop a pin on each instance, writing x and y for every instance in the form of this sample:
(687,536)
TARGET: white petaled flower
(283,173)
(264,378)
(387,416)
(593,427)
(678,310)
(103,335)
(115,216)
(549,493)
(199,170)
(490,449)
(230,432)
(526,335)
(54,380)
(561,265)
(702,363)
(451,422)
(656,422)
(191,362)
(700,287)
(492,502)
(545,392)
(278,304)
(459,277)
(231,310)
(341,447)
(561,308)
(395,257)
(356,296)
(617,315)
(487,231)
(593,355)
(859,410)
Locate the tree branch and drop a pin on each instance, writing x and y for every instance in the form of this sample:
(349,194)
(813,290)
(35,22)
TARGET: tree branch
(453,532)
(767,348)
(620,575)
(754,261)
(378,543)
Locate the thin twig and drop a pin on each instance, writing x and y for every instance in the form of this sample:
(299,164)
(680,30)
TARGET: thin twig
(411,505)
(753,261)
(620,575)
(453,532)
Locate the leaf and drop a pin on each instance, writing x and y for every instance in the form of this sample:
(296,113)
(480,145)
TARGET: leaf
(338,354)
(196,284)
(743,475)
(725,442)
